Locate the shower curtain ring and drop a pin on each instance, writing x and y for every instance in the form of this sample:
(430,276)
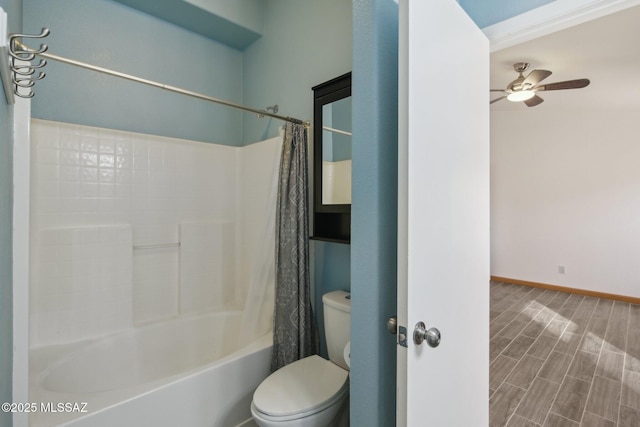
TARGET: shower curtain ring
(271,108)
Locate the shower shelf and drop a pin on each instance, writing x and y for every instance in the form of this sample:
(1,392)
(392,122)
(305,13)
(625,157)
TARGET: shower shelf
(156,246)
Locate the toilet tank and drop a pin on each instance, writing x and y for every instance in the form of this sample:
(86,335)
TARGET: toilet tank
(337,324)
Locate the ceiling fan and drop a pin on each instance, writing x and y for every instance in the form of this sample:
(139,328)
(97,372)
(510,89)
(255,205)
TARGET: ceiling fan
(523,89)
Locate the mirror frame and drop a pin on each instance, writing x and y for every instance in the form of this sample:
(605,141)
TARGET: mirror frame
(331,222)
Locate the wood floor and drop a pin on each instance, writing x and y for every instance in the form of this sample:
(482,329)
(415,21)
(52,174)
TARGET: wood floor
(562,360)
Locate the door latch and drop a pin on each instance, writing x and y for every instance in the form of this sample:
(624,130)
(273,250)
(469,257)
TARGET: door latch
(399,331)
(402,336)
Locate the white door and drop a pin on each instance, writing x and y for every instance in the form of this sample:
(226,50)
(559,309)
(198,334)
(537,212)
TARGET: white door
(443,235)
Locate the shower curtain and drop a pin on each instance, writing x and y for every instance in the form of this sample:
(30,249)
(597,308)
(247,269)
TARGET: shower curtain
(294,330)
(257,315)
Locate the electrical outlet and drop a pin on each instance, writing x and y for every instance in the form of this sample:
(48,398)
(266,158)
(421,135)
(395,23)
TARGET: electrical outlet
(561,269)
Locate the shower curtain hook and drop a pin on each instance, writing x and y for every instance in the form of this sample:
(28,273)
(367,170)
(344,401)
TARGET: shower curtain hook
(23,73)
(273,108)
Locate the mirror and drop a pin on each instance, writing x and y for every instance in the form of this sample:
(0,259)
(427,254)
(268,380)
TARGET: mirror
(332,159)
(336,152)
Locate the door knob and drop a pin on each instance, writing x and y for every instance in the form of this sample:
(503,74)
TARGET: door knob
(421,333)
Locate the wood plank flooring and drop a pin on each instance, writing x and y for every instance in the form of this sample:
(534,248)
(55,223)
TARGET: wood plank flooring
(562,360)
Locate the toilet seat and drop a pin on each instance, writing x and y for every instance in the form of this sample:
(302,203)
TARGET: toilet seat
(301,389)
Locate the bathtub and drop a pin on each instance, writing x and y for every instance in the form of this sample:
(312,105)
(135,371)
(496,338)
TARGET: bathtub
(182,372)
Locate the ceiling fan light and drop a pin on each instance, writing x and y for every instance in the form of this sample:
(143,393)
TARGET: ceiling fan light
(521,95)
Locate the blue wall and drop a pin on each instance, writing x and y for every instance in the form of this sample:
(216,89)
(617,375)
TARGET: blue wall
(295,53)
(14,11)
(236,24)
(114,36)
(374,211)
(269,72)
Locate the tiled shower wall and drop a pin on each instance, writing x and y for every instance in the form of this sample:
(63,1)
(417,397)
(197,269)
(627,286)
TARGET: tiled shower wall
(161,191)
(84,283)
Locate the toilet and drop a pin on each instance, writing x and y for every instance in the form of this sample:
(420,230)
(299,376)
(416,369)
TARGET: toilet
(310,392)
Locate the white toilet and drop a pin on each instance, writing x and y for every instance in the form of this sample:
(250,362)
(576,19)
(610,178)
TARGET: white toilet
(311,391)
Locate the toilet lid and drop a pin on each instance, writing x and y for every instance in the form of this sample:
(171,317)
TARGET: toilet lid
(301,386)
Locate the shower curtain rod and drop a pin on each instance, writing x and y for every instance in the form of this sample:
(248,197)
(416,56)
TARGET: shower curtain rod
(334,130)
(26,50)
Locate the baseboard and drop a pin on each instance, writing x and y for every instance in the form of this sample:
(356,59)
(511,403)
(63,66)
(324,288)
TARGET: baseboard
(624,298)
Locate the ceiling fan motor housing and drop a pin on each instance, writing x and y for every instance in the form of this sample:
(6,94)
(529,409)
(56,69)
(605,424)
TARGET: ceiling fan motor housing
(521,67)
(518,84)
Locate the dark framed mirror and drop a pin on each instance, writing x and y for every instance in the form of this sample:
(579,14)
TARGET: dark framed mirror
(332,160)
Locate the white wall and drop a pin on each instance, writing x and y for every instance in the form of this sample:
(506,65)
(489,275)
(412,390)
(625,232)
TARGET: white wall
(565,190)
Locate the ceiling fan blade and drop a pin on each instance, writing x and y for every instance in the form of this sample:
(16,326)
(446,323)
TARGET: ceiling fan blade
(497,90)
(569,84)
(535,77)
(533,101)
(497,99)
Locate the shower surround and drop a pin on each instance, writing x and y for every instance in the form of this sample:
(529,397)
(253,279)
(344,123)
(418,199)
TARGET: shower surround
(129,230)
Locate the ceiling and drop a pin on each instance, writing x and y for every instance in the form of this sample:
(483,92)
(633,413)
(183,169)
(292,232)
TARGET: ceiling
(604,50)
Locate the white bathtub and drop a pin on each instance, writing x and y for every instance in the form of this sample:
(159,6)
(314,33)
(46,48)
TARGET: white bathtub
(184,372)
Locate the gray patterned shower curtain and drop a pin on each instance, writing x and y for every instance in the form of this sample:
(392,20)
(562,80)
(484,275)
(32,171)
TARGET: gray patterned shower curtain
(294,330)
